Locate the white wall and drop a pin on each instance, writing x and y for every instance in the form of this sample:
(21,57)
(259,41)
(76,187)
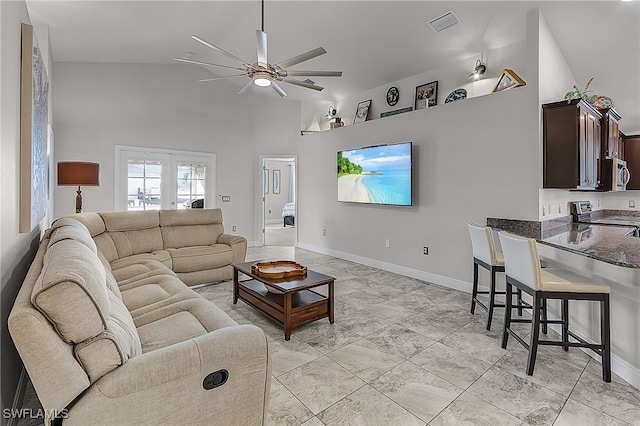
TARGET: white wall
(16,250)
(101,105)
(450,77)
(473,159)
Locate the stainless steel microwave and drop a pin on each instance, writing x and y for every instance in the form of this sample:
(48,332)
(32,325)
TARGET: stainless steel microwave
(615,175)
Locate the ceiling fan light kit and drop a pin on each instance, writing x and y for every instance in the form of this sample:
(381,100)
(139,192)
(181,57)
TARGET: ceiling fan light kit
(262,73)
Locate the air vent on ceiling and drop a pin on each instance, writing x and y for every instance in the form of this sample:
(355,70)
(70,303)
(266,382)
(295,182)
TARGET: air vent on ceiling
(444,21)
(309,81)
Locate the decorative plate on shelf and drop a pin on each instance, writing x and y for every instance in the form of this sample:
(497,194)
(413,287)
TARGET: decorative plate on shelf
(456,95)
(392,96)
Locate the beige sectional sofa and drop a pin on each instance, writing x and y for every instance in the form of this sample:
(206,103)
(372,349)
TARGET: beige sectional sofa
(110,334)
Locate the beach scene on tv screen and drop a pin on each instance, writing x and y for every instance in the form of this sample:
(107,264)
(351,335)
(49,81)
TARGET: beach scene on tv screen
(376,175)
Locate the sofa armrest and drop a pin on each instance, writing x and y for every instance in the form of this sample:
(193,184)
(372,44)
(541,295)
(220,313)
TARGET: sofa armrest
(237,243)
(166,385)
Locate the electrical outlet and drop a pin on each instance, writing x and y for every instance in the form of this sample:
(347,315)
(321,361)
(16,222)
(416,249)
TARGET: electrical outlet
(425,250)
(386,243)
(544,210)
(269,211)
(324,231)
(234,228)
(632,204)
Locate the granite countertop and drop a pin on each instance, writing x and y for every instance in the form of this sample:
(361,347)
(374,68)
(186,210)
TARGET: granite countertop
(601,242)
(602,239)
(614,220)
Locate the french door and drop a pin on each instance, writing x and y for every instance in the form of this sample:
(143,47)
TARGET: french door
(154,179)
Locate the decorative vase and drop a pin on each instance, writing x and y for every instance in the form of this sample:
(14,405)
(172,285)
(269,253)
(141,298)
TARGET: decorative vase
(603,102)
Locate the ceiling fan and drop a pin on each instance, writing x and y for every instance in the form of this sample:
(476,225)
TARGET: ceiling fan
(262,73)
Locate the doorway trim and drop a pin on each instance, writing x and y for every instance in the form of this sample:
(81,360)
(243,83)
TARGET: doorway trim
(261,195)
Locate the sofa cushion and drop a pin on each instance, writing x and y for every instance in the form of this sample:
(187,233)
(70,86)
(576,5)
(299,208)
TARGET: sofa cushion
(157,260)
(129,243)
(93,222)
(114,346)
(106,246)
(130,221)
(187,228)
(111,282)
(71,291)
(190,217)
(68,229)
(189,259)
(154,292)
(179,322)
(134,232)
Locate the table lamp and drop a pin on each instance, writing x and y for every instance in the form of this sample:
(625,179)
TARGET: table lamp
(78,173)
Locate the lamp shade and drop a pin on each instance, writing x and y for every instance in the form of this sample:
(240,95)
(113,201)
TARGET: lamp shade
(78,173)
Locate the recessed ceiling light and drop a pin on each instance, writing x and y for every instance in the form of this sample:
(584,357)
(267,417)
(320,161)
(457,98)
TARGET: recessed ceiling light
(444,21)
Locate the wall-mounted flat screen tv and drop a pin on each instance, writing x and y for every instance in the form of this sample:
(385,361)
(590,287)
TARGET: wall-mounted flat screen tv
(376,175)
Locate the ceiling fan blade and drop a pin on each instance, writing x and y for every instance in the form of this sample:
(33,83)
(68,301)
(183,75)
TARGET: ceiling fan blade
(261,36)
(246,88)
(221,78)
(278,89)
(190,61)
(302,83)
(216,48)
(301,58)
(285,73)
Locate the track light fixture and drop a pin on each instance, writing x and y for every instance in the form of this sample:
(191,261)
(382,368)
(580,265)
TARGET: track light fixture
(478,71)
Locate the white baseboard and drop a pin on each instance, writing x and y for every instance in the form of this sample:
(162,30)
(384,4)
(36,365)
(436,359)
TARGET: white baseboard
(390,267)
(619,366)
(18,397)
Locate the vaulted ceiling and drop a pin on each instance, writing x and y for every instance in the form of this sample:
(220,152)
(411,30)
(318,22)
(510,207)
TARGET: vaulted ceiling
(374,43)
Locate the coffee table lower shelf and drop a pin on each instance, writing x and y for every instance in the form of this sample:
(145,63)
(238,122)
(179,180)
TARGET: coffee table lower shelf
(305,306)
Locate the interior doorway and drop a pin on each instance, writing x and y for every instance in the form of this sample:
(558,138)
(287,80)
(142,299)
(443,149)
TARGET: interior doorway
(279,219)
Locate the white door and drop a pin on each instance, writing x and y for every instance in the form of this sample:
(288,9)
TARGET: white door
(154,179)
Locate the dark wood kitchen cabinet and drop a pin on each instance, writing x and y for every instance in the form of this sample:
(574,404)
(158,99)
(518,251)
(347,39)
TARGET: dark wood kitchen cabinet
(632,157)
(571,145)
(611,143)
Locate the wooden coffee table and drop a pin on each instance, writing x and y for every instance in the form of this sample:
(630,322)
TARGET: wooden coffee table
(296,306)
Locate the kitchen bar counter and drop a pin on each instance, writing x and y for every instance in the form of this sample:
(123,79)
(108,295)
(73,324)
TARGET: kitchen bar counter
(602,242)
(602,253)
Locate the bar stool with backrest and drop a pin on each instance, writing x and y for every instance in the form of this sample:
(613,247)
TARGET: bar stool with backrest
(523,272)
(486,254)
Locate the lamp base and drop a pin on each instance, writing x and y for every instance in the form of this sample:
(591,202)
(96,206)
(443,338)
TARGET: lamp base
(79,201)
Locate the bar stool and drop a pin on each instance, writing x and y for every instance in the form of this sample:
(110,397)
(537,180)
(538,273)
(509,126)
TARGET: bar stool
(485,255)
(523,272)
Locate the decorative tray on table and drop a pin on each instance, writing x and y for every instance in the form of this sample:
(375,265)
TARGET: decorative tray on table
(279,271)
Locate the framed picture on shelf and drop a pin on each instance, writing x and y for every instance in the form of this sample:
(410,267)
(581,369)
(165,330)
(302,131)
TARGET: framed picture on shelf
(508,80)
(276,181)
(362,112)
(427,95)
(265,178)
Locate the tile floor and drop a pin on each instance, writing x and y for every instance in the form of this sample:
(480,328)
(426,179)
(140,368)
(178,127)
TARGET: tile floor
(418,357)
